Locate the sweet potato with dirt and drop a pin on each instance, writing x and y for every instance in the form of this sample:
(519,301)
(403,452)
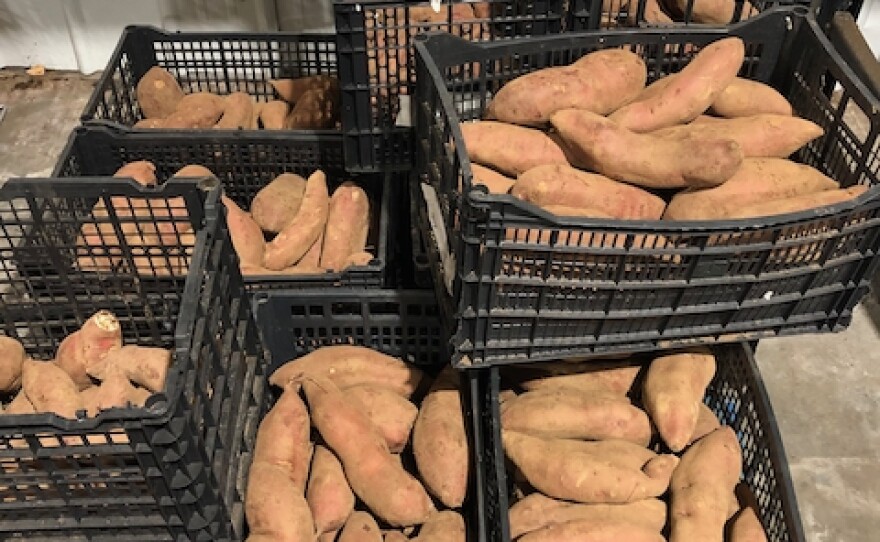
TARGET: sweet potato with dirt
(348,225)
(291,90)
(757,180)
(300,234)
(275,205)
(599,144)
(538,511)
(275,508)
(11,359)
(315,110)
(392,414)
(495,182)
(690,93)
(145,366)
(349,365)
(701,487)
(445,526)
(586,477)
(571,413)
(745,98)
(238,112)
(797,203)
(328,494)
(360,527)
(50,389)
(273,115)
(598,530)
(91,343)
(20,404)
(509,149)
(611,376)
(439,440)
(375,476)
(601,82)
(246,235)
(158,93)
(565,185)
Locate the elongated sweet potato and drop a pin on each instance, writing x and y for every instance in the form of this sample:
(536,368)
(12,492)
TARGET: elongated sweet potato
(673,392)
(87,346)
(693,90)
(582,476)
(273,115)
(509,149)
(797,203)
(445,526)
(50,389)
(158,93)
(491,179)
(275,508)
(587,376)
(348,225)
(570,413)
(360,527)
(565,185)
(291,90)
(283,438)
(238,112)
(328,494)
(596,143)
(300,234)
(247,237)
(11,358)
(745,97)
(593,530)
(348,366)
(757,180)
(538,511)
(439,440)
(145,366)
(392,414)
(277,203)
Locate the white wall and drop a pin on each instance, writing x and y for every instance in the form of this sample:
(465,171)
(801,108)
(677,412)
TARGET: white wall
(869,22)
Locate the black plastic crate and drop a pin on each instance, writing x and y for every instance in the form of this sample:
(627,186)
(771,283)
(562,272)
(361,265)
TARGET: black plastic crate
(644,285)
(219,62)
(596,14)
(245,163)
(170,471)
(736,395)
(377,70)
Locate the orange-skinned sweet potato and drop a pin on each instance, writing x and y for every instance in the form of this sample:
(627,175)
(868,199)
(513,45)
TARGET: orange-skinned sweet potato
(300,234)
(11,358)
(745,97)
(87,346)
(509,149)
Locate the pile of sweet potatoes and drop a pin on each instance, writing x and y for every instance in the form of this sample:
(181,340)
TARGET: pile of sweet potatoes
(619,450)
(305,103)
(591,140)
(359,446)
(92,371)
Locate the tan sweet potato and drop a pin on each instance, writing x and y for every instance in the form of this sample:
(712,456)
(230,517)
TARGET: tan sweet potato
(283,438)
(390,492)
(360,527)
(758,136)
(538,511)
(565,185)
(328,494)
(300,234)
(597,143)
(395,536)
(328,536)
(509,149)
(20,404)
(247,237)
(709,11)
(348,224)
(138,396)
(115,390)
(693,90)
(348,365)
(11,358)
(276,204)
(312,258)
(654,14)
(707,422)
(797,203)
(193,170)
(439,440)
(273,115)
(746,527)
(158,93)
(291,90)
(583,212)
(701,487)
(601,82)
(275,508)
(570,413)
(142,171)
(315,110)
(199,110)
(586,376)
(593,530)
(585,477)
(392,414)
(50,389)
(149,124)
(358,259)
(87,346)
(745,97)
(491,179)
(445,526)
(144,365)
(238,112)
(757,180)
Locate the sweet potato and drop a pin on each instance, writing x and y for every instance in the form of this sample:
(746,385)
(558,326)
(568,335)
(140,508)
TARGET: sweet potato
(329,536)
(587,376)
(283,438)
(445,526)
(392,414)
(50,389)
(716,12)
(291,90)
(199,110)
(328,494)
(439,441)
(238,112)
(149,124)
(315,110)
(565,185)
(193,170)
(757,180)
(707,422)
(758,136)
(654,14)
(701,487)
(158,93)
(601,82)
(20,404)
(746,527)
(360,527)
(348,224)
(144,365)
(495,182)
(359,259)
(596,143)
(582,212)
(273,115)
(570,413)
(300,234)
(138,396)
(797,203)
(11,358)
(142,171)
(693,90)
(276,204)
(247,237)
(745,98)
(115,390)
(379,480)
(87,346)
(275,508)
(584,477)
(509,149)
(593,530)
(348,365)
(538,511)
(395,536)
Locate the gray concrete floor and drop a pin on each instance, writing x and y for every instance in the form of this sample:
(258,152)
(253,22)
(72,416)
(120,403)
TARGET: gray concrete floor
(825,389)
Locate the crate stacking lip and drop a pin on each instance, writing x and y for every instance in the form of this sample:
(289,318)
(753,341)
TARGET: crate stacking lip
(528,285)
(244,163)
(171,470)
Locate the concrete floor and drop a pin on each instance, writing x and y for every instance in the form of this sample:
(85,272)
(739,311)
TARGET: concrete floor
(825,389)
